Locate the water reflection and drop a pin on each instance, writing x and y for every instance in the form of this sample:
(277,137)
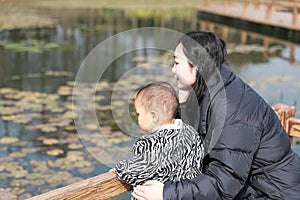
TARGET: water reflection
(38,66)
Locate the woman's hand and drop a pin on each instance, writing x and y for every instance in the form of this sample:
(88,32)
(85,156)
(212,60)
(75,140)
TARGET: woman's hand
(150,190)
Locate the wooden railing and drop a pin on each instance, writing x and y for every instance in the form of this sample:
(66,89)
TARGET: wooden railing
(271,7)
(106,186)
(101,187)
(286,115)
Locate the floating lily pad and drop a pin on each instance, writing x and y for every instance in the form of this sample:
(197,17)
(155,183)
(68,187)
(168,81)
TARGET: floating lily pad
(91,127)
(16,190)
(39,166)
(17,154)
(75,146)
(19,173)
(65,90)
(73,158)
(69,115)
(51,45)
(73,180)
(25,196)
(21,119)
(55,152)
(10,110)
(7,118)
(9,140)
(50,141)
(82,163)
(58,73)
(70,128)
(19,182)
(29,150)
(48,129)
(35,46)
(86,169)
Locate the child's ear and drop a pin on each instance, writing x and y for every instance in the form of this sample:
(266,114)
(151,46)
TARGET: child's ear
(154,117)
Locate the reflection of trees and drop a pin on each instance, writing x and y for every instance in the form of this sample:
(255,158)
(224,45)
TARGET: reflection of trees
(77,34)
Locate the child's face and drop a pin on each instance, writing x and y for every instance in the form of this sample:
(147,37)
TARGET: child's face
(145,119)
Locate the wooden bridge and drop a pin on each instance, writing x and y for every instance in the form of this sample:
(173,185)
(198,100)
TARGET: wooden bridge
(277,13)
(106,186)
(267,41)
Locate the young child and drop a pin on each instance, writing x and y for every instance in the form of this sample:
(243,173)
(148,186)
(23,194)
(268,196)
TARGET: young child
(172,150)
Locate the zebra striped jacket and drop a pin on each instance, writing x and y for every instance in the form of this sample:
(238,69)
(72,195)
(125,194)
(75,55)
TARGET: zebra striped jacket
(170,153)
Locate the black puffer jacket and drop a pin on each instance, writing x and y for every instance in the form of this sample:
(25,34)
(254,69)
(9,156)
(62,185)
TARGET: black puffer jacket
(251,159)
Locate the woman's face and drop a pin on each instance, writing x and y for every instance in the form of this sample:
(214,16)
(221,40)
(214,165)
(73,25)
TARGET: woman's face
(185,73)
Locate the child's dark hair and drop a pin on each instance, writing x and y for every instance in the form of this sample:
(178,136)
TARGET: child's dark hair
(159,95)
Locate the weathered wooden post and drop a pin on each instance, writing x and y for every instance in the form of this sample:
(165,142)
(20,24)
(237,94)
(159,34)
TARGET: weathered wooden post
(203,3)
(295,14)
(292,53)
(266,42)
(245,8)
(4,195)
(212,3)
(294,127)
(227,4)
(225,32)
(211,27)
(202,25)
(256,3)
(269,9)
(244,37)
(285,114)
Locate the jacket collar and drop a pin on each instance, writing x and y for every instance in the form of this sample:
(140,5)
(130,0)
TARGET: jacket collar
(227,77)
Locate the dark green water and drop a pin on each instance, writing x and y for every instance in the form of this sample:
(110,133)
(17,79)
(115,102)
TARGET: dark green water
(39,146)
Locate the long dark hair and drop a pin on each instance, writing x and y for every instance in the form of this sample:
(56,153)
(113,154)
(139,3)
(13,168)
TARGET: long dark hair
(201,48)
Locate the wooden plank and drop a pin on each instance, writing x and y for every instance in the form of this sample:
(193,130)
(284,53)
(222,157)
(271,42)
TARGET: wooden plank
(5,195)
(101,187)
(295,16)
(294,128)
(285,113)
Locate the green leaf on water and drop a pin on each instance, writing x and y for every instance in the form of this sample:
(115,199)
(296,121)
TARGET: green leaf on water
(51,45)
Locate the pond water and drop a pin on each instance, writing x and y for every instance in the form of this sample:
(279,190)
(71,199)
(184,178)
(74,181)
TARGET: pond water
(39,146)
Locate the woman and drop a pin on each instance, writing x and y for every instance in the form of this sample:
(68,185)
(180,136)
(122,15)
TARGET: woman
(248,151)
